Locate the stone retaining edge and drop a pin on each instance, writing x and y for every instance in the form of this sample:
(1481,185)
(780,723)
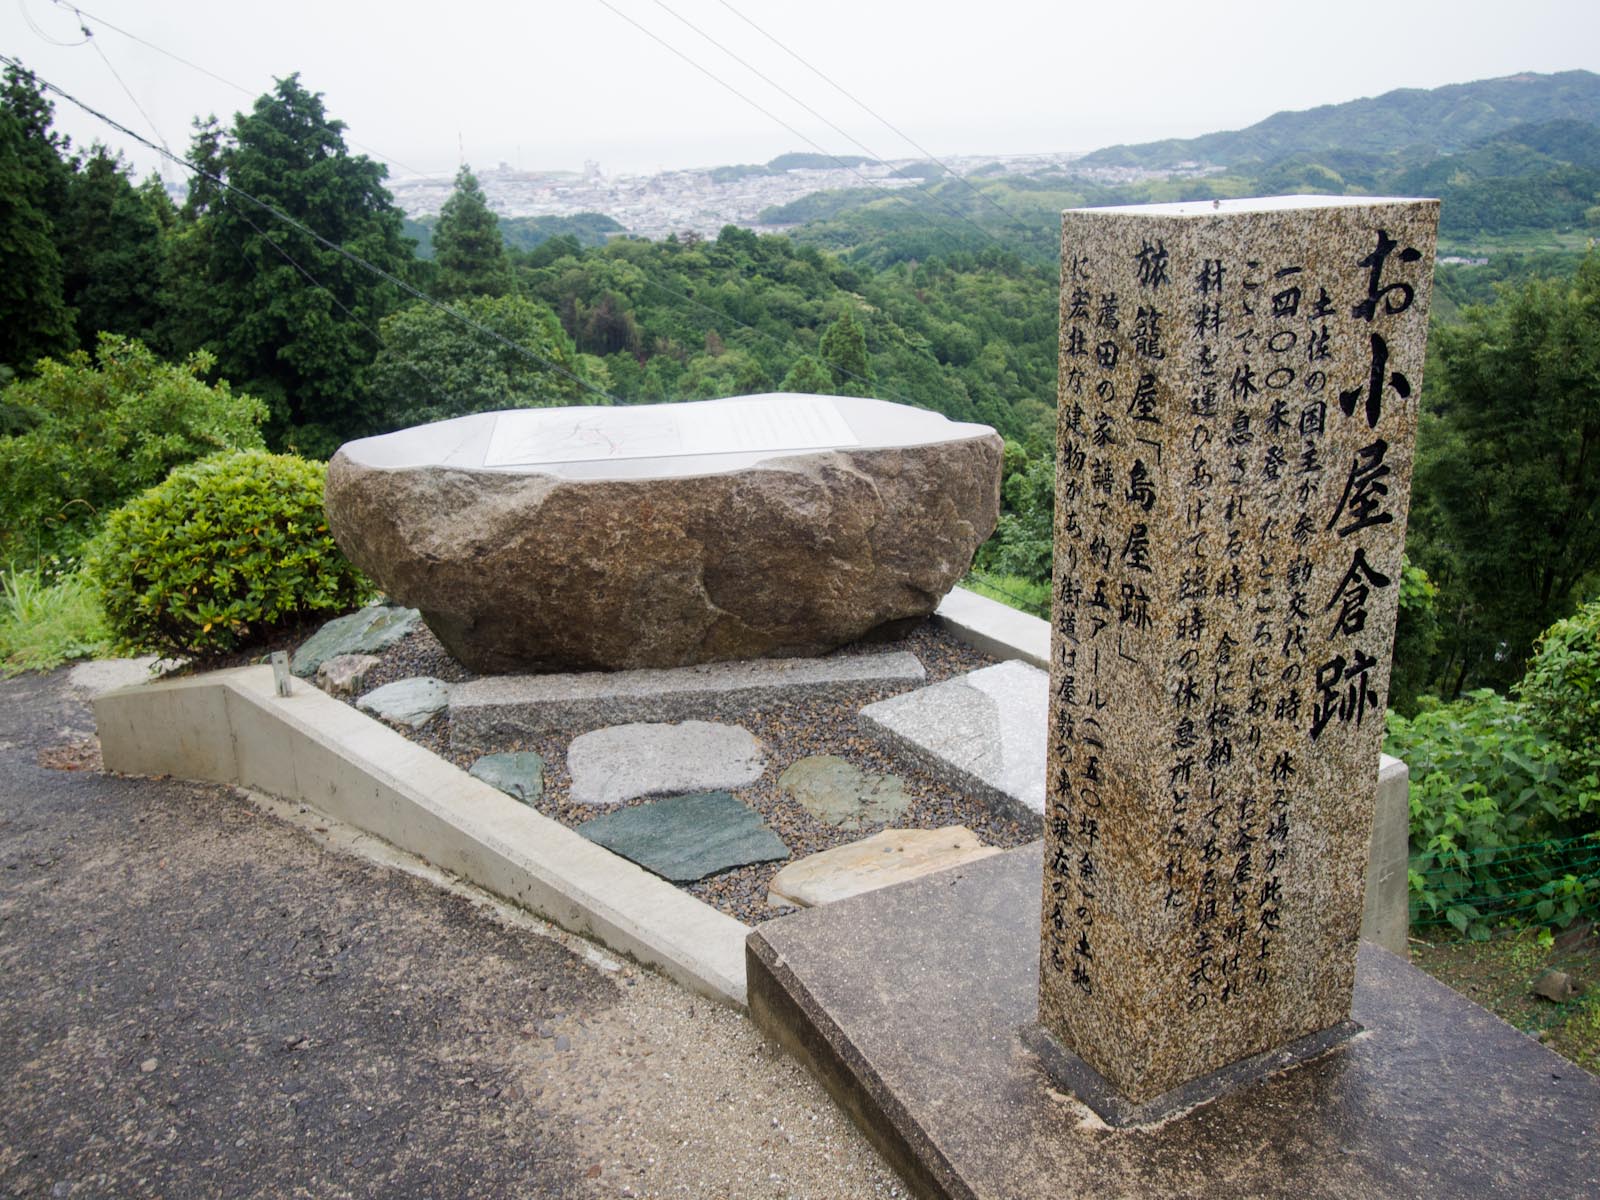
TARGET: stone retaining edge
(1007,633)
(231,727)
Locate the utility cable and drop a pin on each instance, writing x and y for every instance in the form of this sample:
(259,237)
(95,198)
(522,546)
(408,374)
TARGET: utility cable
(1018,223)
(776,86)
(770,115)
(193,66)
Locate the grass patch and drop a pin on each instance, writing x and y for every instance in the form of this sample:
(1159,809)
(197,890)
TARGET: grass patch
(43,624)
(1500,975)
(1020,593)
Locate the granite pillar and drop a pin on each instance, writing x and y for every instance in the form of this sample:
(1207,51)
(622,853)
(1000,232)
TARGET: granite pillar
(1237,414)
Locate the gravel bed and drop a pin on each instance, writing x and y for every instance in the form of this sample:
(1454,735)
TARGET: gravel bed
(787,731)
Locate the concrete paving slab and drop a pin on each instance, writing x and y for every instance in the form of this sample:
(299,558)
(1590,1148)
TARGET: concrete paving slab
(502,706)
(983,731)
(910,1004)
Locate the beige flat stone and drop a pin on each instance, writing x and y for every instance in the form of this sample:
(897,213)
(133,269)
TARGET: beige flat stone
(893,856)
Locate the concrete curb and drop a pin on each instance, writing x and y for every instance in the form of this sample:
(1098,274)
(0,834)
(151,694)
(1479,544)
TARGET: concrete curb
(231,727)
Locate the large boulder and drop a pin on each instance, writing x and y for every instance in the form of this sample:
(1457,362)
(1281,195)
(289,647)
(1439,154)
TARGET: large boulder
(664,535)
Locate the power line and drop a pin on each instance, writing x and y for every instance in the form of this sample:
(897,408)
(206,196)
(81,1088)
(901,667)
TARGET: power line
(856,142)
(22,6)
(770,115)
(278,213)
(905,137)
(193,66)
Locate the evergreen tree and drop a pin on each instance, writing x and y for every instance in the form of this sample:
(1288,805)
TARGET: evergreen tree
(844,351)
(467,248)
(34,318)
(432,366)
(289,319)
(807,375)
(1508,472)
(112,245)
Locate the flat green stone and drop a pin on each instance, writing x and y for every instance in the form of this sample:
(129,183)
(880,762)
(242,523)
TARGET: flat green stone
(365,631)
(684,838)
(840,793)
(519,774)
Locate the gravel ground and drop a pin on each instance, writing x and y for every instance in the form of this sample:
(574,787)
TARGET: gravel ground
(204,993)
(788,732)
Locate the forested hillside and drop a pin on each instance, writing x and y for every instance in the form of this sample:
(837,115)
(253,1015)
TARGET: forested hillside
(1440,120)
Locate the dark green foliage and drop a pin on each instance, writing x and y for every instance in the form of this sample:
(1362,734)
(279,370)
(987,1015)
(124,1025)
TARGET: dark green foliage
(1023,540)
(303,346)
(35,320)
(1493,821)
(807,375)
(1416,638)
(432,366)
(1509,472)
(112,240)
(103,429)
(467,250)
(843,351)
(221,553)
(1561,691)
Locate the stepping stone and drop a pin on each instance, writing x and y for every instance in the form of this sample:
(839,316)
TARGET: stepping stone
(519,774)
(365,631)
(520,705)
(412,702)
(836,791)
(684,838)
(611,765)
(892,856)
(345,674)
(983,731)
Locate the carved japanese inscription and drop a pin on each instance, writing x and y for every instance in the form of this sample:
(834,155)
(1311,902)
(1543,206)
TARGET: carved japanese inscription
(1237,412)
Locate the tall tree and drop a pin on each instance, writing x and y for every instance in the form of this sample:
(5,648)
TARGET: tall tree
(1510,471)
(290,319)
(34,318)
(467,248)
(112,247)
(843,351)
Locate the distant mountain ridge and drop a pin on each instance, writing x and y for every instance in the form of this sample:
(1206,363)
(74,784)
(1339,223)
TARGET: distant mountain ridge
(1445,119)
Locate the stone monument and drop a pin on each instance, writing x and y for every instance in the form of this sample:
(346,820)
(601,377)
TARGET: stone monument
(669,534)
(1237,412)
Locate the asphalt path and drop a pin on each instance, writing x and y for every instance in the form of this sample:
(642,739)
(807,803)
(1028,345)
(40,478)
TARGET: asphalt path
(198,998)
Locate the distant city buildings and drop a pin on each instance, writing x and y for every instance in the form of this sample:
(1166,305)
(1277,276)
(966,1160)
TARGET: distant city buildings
(703,200)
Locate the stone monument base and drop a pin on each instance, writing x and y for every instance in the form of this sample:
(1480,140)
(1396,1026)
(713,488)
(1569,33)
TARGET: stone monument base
(909,1004)
(1072,1075)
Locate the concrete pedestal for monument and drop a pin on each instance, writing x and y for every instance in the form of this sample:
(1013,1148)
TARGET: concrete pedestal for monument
(667,535)
(910,1004)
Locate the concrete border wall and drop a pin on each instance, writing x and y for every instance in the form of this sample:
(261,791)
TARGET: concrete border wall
(231,727)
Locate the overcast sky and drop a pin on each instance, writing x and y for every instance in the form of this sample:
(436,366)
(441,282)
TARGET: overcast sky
(548,84)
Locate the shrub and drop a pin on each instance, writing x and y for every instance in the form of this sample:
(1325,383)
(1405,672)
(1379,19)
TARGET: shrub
(44,624)
(1491,814)
(1561,690)
(224,551)
(99,431)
